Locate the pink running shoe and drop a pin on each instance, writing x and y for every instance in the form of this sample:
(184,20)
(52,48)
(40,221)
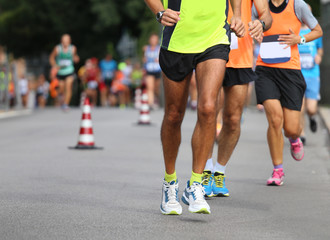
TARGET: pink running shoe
(297,150)
(277,178)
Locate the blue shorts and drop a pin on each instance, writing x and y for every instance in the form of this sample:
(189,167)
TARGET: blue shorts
(313,88)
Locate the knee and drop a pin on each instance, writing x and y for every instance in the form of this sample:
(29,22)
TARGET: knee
(292,131)
(276,121)
(173,115)
(207,110)
(232,122)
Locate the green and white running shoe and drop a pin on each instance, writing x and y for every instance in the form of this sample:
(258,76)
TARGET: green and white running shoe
(170,201)
(194,196)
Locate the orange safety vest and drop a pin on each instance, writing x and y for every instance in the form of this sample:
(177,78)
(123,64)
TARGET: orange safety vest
(271,53)
(242,56)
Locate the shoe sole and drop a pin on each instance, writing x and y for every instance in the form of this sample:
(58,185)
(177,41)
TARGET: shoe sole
(298,159)
(274,184)
(173,212)
(221,195)
(201,211)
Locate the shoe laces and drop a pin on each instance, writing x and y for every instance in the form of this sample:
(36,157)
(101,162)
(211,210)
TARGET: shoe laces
(277,174)
(206,178)
(296,146)
(170,190)
(219,179)
(198,191)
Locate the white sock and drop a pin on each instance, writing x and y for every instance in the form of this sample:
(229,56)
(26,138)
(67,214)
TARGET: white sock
(209,165)
(219,168)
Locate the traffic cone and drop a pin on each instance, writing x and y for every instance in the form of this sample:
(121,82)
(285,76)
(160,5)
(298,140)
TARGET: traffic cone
(144,118)
(86,136)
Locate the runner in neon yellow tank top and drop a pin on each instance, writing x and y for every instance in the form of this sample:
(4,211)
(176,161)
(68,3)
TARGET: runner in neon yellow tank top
(202,25)
(195,36)
(63,58)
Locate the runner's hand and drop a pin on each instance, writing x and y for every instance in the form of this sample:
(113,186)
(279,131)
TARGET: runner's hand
(318,59)
(256,29)
(170,17)
(237,26)
(290,39)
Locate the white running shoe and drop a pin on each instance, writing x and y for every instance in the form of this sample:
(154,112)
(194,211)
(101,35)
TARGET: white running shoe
(170,201)
(194,197)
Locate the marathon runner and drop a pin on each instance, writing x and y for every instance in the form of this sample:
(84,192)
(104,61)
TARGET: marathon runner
(310,56)
(238,75)
(63,57)
(188,44)
(152,69)
(108,68)
(280,85)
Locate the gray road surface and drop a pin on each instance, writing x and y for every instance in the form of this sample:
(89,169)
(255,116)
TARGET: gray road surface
(50,192)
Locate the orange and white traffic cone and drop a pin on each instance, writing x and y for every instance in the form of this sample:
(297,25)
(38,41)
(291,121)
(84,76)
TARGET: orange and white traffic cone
(144,118)
(86,135)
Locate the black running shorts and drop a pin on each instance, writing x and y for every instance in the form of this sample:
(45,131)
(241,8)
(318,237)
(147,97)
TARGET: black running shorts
(286,85)
(64,77)
(238,76)
(176,66)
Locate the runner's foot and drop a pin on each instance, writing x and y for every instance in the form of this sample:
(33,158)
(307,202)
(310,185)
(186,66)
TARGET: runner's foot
(207,183)
(312,124)
(297,149)
(194,197)
(219,185)
(277,178)
(170,201)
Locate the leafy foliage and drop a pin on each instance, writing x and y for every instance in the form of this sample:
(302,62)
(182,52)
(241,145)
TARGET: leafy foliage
(29,27)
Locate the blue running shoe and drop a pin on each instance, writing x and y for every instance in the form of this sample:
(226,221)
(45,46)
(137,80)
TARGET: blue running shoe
(219,185)
(207,181)
(194,197)
(170,201)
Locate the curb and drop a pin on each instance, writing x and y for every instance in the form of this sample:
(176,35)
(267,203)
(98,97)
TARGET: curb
(15,113)
(325,116)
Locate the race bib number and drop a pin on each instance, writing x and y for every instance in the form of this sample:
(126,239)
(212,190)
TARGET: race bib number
(271,51)
(65,62)
(108,74)
(233,41)
(152,67)
(307,61)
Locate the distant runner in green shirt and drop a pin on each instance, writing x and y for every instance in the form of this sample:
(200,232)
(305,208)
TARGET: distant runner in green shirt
(196,35)
(63,58)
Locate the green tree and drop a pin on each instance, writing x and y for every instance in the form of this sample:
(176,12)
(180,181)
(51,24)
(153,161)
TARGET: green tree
(29,27)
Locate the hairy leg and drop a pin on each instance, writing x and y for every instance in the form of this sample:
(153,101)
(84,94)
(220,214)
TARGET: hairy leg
(235,97)
(209,77)
(176,96)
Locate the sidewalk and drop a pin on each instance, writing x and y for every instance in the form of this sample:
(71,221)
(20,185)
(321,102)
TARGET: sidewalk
(325,115)
(14,113)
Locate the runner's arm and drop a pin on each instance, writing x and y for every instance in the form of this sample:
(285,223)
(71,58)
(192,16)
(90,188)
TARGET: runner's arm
(319,55)
(76,58)
(305,16)
(169,18)
(236,23)
(255,27)
(52,57)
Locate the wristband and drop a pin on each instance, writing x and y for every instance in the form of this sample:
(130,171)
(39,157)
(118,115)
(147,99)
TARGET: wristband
(263,24)
(302,40)
(159,16)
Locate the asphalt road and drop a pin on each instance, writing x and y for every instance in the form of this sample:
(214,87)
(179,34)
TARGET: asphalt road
(50,192)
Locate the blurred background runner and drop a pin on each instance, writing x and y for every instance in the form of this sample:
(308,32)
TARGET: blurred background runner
(63,57)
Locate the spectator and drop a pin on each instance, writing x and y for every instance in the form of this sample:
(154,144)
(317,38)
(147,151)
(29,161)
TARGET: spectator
(23,86)
(42,91)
